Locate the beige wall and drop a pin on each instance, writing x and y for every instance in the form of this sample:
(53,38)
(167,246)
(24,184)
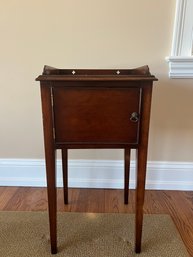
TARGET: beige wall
(89,34)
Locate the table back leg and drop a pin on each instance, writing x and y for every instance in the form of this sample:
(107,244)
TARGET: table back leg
(127,173)
(65,173)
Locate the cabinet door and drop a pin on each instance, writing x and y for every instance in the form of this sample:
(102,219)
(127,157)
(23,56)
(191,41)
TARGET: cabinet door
(96,115)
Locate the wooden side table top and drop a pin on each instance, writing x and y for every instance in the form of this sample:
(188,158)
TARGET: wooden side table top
(138,74)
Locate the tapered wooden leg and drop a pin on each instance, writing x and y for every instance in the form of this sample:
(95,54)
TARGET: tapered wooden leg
(65,174)
(140,193)
(127,172)
(142,162)
(51,189)
(50,156)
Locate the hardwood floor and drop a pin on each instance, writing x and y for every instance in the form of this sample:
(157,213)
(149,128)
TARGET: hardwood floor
(178,204)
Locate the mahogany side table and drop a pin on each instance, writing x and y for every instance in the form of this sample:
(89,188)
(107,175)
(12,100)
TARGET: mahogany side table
(96,109)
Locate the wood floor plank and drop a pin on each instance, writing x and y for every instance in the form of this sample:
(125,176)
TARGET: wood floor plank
(114,201)
(152,204)
(6,193)
(181,212)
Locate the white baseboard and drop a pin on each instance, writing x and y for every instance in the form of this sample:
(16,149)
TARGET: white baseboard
(97,174)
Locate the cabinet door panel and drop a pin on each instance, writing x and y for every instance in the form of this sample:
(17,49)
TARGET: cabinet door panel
(95,115)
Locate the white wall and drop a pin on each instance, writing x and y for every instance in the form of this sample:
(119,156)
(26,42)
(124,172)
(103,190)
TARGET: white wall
(89,34)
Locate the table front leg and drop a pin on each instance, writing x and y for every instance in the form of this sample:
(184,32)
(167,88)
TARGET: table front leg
(142,161)
(52,203)
(140,194)
(50,155)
